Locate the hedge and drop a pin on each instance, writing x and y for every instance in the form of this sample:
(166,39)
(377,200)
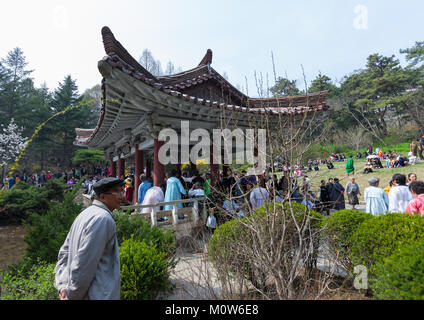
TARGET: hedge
(401,276)
(339,229)
(380,237)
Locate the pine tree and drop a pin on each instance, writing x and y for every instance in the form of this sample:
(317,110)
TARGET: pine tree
(16,87)
(63,127)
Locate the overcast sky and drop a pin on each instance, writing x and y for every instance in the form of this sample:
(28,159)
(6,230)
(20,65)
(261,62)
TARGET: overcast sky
(331,36)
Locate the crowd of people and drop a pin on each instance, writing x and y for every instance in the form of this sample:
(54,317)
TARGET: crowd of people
(70,177)
(238,193)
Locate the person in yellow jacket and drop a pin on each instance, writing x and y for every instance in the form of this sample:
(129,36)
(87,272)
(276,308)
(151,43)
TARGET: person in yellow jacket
(387,189)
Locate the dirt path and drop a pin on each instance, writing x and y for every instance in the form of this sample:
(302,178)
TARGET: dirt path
(12,245)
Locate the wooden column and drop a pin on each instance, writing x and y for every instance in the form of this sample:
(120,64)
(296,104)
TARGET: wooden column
(148,168)
(112,168)
(158,168)
(121,167)
(139,167)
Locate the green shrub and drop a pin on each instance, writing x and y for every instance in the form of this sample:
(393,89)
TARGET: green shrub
(45,233)
(401,276)
(223,247)
(269,229)
(18,203)
(142,230)
(54,189)
(144,270)
(339,228)
(23,200)
(380,237)
(28,281)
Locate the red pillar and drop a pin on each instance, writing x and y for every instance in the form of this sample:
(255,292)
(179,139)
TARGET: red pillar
(148,168)
(121,167)
(112,168)
(158,168)
(138,171)
(214,166)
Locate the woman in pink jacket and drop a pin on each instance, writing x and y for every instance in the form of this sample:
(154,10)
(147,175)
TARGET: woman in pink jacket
(416,205)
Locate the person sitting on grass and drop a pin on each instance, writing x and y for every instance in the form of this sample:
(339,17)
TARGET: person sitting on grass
(412,158)
(416,205)
(367,168)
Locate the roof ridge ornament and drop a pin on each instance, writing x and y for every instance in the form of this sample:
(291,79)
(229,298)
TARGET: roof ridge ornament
(207,59)
(114,48)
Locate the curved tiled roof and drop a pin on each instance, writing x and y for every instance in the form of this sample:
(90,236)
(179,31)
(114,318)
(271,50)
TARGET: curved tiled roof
(174,85)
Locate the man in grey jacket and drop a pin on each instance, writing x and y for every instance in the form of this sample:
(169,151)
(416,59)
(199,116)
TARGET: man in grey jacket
(88,266)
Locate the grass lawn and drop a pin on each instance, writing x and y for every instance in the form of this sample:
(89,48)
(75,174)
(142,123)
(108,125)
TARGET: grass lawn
(339,171)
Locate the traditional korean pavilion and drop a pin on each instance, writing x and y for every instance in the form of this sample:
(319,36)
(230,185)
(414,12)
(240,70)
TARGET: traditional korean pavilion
(137,105)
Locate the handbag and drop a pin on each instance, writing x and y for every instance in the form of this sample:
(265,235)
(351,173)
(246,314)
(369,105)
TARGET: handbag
(211,221)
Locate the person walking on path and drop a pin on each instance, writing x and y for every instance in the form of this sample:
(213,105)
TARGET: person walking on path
(376,199)
(352,190)
(349,166)
(324,197)
(337,195)
(399,194)
(88,266)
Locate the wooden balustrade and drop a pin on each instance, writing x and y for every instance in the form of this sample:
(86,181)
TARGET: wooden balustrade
(156,214)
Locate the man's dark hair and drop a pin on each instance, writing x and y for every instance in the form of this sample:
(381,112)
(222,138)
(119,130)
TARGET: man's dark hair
(417,187)
(143,177)
(399,178)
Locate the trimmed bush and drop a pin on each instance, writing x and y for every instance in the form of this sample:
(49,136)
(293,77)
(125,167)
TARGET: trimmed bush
(128,226)
(339,229)
(380,237)
(28,281)
(223,247)
(401,276)
(144,270)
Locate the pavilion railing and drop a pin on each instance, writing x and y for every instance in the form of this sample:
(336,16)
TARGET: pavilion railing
(194,210)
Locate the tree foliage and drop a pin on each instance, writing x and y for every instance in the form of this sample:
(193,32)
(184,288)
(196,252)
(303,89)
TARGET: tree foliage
(285,87)
(88,158)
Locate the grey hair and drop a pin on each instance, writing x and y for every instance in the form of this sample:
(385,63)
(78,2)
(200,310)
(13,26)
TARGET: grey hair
(373,181)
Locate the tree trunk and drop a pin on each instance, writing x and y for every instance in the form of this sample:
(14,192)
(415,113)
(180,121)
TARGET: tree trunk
(3,169)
